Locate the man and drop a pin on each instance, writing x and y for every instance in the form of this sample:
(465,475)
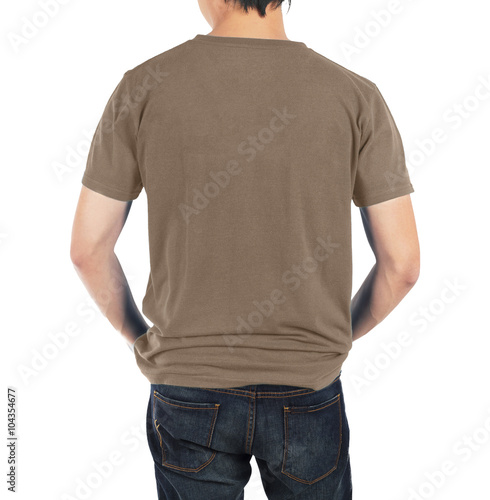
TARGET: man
(250,147)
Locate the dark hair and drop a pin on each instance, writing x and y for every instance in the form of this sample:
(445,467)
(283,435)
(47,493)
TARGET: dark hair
(259,5)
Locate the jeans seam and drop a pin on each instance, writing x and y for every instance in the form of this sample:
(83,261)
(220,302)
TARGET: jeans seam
(286,443)
(329,403)
(208,442)
(258,394)
(187,407)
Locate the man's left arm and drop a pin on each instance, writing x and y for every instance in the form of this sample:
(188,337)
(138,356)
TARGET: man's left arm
(97,225)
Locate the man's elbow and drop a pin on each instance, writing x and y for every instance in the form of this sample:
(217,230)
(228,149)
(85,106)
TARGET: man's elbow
(408,271)
(404,271)
(411,274)
(82,255)
(78,257)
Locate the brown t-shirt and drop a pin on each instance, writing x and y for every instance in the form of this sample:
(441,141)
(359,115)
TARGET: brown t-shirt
(250,152)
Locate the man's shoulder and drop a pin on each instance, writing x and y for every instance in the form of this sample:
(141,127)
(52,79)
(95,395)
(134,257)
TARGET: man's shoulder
(154,70)
(348,78)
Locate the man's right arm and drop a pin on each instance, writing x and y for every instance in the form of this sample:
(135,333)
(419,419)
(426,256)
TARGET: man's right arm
(391,232)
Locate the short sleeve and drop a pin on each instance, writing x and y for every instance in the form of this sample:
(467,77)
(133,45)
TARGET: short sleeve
(112,166)
(381,172)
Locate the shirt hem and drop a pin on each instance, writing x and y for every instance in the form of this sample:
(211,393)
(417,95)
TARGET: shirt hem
(213,382)
(384,196)
(109,191)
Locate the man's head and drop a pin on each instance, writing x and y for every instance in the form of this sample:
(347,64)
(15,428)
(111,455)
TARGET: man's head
(213,9)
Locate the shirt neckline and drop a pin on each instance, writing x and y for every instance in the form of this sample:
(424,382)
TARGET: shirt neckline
(236,41)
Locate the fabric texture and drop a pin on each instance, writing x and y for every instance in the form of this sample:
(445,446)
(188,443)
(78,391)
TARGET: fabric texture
(250,152)
(202,441)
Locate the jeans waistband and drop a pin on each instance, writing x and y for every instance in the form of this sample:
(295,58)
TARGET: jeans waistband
(269,390)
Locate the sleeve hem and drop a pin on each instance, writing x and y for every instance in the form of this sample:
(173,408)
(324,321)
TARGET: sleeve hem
(110,191)
(383,196)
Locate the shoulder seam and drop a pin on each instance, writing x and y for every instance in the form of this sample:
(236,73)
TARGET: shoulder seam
(346,71)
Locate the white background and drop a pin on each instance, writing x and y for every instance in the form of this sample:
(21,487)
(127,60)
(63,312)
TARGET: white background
(425,405)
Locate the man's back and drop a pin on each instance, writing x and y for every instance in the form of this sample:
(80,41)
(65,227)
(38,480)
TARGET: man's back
(250,151)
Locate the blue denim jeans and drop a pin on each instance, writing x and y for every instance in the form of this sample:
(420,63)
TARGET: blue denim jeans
(202,439)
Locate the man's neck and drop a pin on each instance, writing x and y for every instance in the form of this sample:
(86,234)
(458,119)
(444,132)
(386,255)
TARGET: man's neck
(237,23)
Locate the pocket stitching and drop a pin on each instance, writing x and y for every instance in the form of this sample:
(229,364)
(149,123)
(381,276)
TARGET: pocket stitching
(211,429)
(155,393)
(301,409)
(288,411)
(210,433)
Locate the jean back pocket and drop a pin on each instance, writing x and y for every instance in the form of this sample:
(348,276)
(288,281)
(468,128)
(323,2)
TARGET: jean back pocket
(184,430)
(313,439)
